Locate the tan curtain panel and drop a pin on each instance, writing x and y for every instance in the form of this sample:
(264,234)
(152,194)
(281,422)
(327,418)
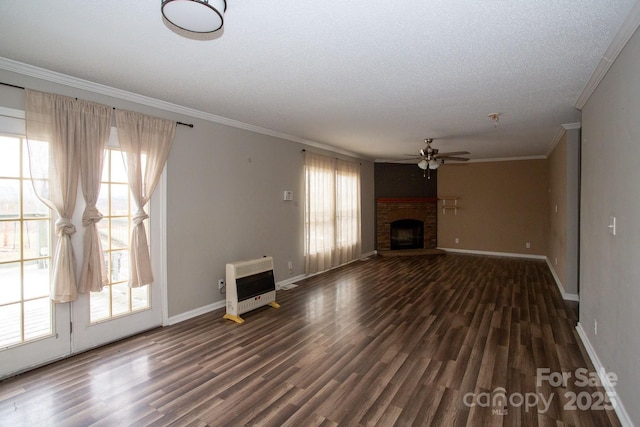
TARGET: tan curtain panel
(94,137)
(145,142)
(57,128)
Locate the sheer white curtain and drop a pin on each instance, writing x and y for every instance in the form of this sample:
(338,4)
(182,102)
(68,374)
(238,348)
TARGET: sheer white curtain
(332,212)
(145,142)
(320,212)
(348,211)
(57,128)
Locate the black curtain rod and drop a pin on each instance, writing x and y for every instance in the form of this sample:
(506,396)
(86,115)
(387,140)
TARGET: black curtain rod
(10,85)
(21,87)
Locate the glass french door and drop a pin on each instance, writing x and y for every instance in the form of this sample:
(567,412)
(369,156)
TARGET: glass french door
(33,330)
(119,311)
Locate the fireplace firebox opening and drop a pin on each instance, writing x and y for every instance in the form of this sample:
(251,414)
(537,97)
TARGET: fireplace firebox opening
(407,234)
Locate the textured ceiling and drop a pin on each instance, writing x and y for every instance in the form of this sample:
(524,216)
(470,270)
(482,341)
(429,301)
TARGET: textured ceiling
(369,77)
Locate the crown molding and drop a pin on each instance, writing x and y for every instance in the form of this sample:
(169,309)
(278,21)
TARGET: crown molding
(626,31)
(507,159)
(560,133)
(77,83)
(571,126)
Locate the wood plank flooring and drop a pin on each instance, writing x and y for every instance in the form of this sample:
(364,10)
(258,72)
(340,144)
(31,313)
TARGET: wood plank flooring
(397,341)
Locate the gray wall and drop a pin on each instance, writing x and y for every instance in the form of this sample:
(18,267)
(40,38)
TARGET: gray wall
(225,197)
(609,265)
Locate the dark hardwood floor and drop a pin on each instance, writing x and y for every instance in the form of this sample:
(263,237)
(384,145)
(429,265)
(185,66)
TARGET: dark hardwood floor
(414,340)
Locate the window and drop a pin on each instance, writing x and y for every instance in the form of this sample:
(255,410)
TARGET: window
(332,212)
(116,205)
(25,245)
(347,205)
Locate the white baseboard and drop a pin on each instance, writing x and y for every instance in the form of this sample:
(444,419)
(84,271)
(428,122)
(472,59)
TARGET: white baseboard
(221,304)
(368,254)
(194,313)
(290,280)
(489,253)
(566,296)
(623,416)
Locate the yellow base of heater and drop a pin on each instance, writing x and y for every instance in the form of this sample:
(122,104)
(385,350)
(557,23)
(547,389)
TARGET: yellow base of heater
(239,319)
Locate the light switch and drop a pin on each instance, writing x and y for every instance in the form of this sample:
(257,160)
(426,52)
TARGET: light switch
(612,225)
(288,195)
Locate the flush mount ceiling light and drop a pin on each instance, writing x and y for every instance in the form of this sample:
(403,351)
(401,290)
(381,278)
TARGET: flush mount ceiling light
(495,117)
(196,16)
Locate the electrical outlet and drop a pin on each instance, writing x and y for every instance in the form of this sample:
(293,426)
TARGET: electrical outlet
(290,266)
(595,326)
(527,245)
(457,240)
(220,284)
(556,260)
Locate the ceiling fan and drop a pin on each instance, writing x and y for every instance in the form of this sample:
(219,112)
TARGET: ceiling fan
(430,158)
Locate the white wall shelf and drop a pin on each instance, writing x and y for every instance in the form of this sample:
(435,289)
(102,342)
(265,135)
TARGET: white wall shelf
(449,203)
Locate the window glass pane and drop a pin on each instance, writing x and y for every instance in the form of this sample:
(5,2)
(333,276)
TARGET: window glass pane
(118,170)
(37,318)
(10,159)
(100,303)
(120,233)
(36,279)
(39,151)
(119,266)
(32,207)
(9,198)
(10,240)
(11,331)
(119,199)
(140,298)
(10,284)
(36,239)
(120,294)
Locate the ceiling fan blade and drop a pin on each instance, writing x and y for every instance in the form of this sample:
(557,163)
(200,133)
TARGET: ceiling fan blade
(455,159)
(400,161)
(454,153)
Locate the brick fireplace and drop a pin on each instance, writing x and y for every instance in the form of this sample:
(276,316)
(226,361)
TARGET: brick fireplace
(389,210)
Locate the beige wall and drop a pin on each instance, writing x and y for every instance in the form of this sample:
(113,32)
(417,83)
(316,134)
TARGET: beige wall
(610,186)
(225,198)
(503,205)
(563,211)
(557,209)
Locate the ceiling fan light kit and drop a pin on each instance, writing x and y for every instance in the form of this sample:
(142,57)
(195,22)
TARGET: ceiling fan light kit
(196,16)
(430,158)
